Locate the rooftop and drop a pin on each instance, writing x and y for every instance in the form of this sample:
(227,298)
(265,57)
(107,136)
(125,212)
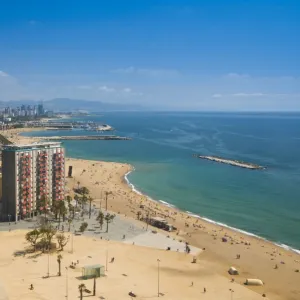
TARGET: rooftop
(158,219)
(33,145)
(89,267)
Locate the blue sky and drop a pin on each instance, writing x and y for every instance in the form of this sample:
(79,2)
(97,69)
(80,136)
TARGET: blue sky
(203,55)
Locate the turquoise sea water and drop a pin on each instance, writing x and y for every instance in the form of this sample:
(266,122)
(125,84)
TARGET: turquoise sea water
(265,203)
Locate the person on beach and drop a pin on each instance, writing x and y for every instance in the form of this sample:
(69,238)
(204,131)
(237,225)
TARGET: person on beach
(204,290)
(31,287)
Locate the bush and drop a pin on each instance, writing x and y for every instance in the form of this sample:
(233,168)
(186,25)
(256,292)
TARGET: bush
(83,227)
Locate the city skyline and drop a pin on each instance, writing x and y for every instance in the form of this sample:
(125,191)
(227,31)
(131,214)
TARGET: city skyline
(182,55)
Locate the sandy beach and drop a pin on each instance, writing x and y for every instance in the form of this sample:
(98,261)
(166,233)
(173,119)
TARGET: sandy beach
(134,269)
(257,257)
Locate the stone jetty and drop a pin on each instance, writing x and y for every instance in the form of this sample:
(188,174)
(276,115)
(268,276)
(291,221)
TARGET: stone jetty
(231,162)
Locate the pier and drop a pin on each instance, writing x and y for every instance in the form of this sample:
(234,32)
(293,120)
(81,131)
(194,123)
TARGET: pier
(55,125)
(236,163)
(84,138)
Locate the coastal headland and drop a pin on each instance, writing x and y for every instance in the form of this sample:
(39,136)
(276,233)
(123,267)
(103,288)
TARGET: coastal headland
(231,162)
(221,244)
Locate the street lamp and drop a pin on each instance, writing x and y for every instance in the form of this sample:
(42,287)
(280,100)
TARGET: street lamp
(231,293)
(147,220)
(106,264)
(48,268)
(158,261)
(72,239)
(100,199)
(106,196)
(67,288)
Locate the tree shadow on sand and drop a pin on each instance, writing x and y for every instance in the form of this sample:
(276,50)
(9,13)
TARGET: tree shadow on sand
(28,253)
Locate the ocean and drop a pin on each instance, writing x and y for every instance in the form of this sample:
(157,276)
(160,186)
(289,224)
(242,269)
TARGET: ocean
(265,203)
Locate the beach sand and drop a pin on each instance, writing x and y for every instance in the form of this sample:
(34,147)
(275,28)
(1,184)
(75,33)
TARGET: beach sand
(257,257)
(134,269)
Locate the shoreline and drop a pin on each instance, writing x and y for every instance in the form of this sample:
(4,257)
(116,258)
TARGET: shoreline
(217,223)
(258,254)
(169,205)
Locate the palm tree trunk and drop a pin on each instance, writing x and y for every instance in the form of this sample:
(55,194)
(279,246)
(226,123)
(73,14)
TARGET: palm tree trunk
(81,294)
(59,271)
(59,220)
(90,210)
(94,288)
(106,226)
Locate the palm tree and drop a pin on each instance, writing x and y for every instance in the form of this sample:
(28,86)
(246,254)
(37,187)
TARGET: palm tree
(81,288)
(83,201)
(68,199)
(76,198)
(109,218)
(61,210)
(72,212)
(69,223)
(85,190)
(78,184)
(42,206)
(59,258)
(55,208)
(100,219)
(138,215)
(106,196)
(90,199)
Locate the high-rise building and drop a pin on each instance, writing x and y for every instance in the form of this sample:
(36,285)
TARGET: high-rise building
(40,110)
(33,177)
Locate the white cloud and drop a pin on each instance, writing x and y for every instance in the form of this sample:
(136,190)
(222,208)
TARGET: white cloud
(249,95)
(236,75)
(265,95)
(217,95)
(128,70)
(127,90)
(106,89)
(3,74)
(148,72)
(84,87)
(158,72)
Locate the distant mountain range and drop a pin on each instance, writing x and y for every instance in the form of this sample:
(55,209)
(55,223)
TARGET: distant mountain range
(66,105)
